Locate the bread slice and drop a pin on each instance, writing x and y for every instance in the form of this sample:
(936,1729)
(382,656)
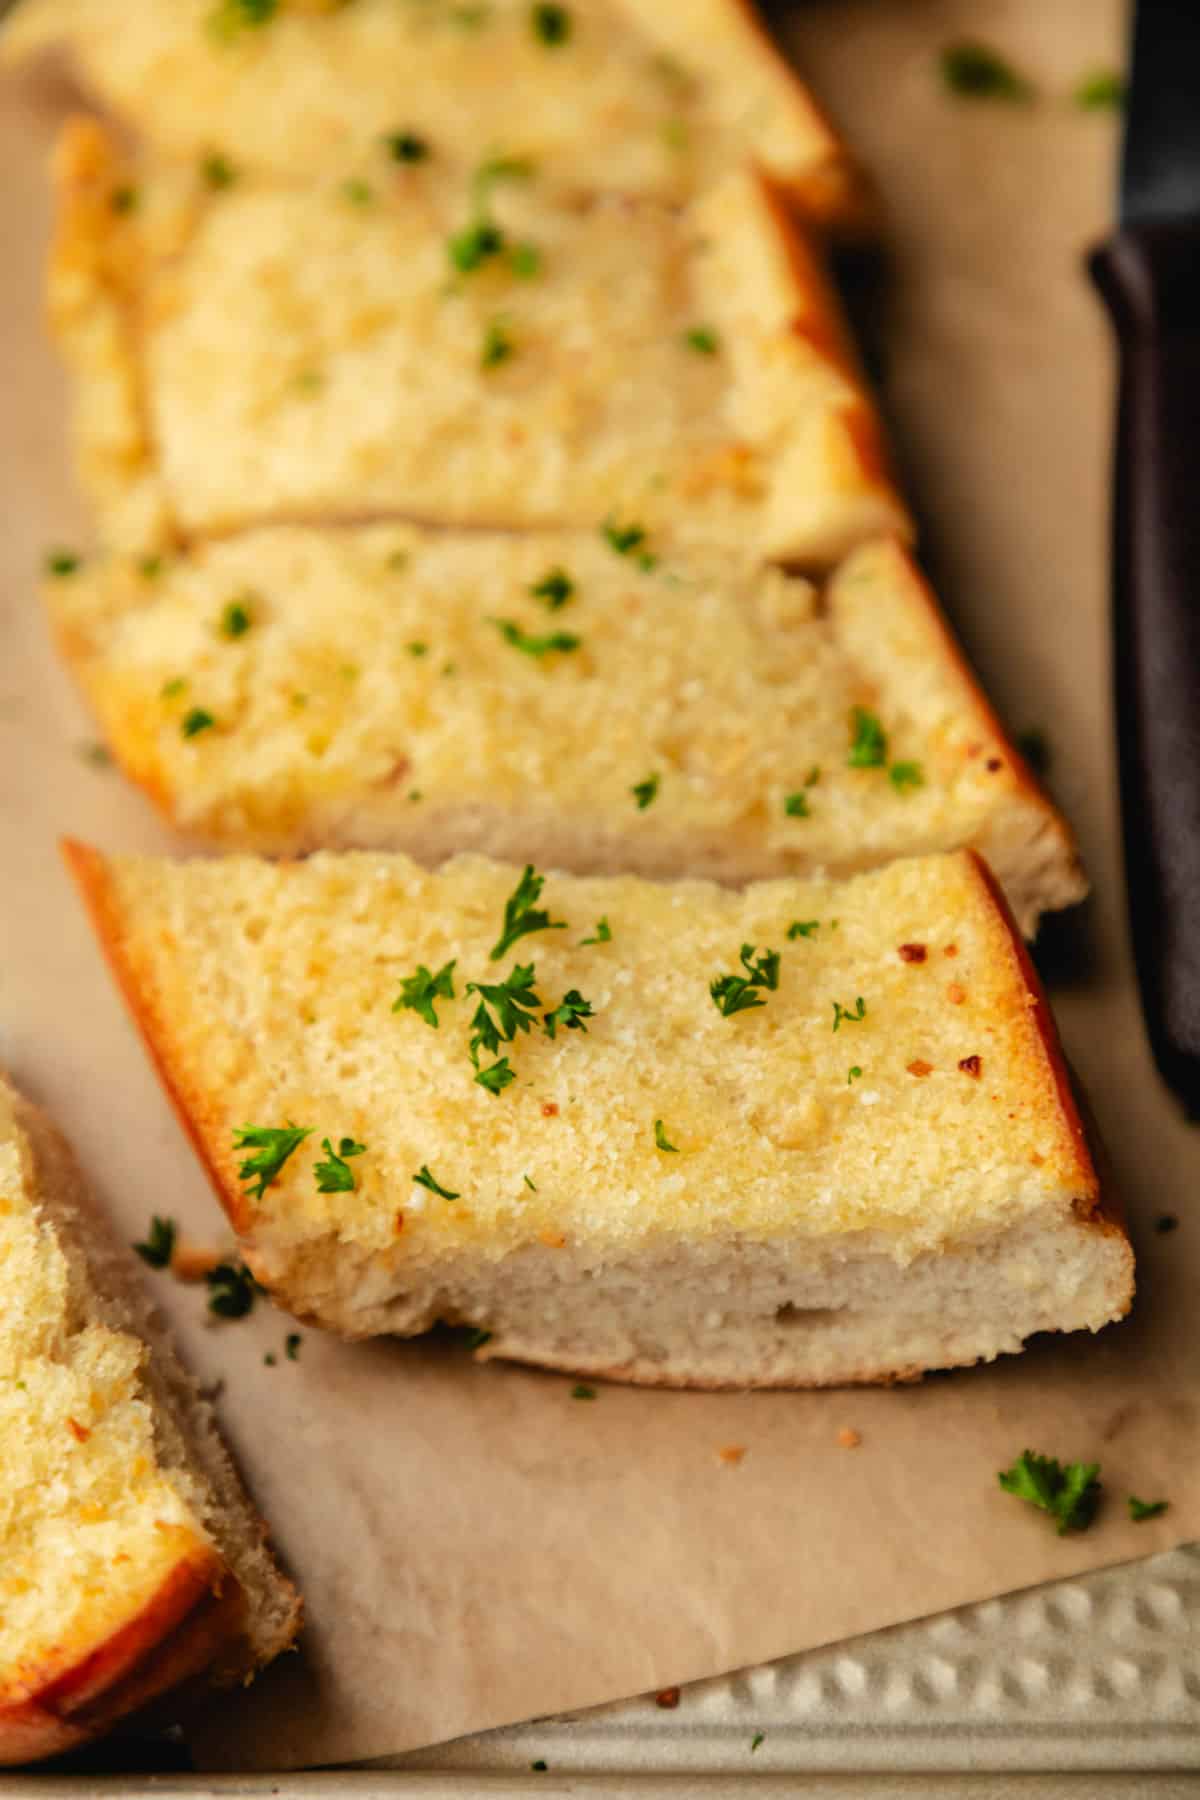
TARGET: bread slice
(640,96)
(363,692)
(131,1559)
(865,1162)
(266,353)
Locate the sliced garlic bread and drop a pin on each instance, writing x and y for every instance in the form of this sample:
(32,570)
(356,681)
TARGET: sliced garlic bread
(544,697)
(631,96)
(131,1560)
(804,1134)
(466,352)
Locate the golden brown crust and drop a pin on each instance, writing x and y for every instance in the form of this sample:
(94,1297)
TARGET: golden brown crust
(90,873)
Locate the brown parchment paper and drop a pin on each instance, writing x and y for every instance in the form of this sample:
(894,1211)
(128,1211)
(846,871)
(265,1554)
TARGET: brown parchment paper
(475,1545)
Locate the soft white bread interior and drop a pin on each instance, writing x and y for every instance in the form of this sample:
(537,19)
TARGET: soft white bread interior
(131,1559)
(458,352)
(355,688)
(868,1165)
(649,97)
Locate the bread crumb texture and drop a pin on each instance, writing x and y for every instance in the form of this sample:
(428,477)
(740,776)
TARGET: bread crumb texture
(636,98)
(361,691)
(92,1528)
(459,350)
(267,993)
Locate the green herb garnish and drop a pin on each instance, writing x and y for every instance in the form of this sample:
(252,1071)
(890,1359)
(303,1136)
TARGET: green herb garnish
(796,806)
(703,339)
(418,992)
(906,775)
(975,72)
(1140,1510)
(581,1391)
(357,191)
(739,993)
(477,1337)
(159,1244)
(406,147)
(522,914)
(854,1075)
(570,1013)
(499,1076)
(231,1290)
(551,25)
(218,171)
(470,248)
(172,689)
(291,1346)
(525,261)
(645,791)
(661,1141)
(868,743)
(1070,1495)
(845,1015)
(1101,91)
(274,1145)
(334,1175)
(601,935)
(505,1008)
(425,1179)
(497,346)
(756,1740)
(531,643)
(628,540)
(230,17)
(62,562)
(555,588)
(123,199)
(235,618)
(803,928)
(196,720)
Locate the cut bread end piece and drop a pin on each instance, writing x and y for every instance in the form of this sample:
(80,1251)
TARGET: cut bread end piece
(135,1564)
(221,382)
(385,687)
(867,1164)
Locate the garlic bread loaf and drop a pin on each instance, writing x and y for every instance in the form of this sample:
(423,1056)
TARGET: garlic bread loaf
(131,1560)
(808,1133)
(630,96)
(456,351)
(545,697)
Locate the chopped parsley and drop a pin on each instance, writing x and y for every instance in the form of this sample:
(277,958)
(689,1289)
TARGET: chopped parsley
(1070,1495)
(555,588)
(661,1140)
(1101,91)
(123,199)
(755,1741)
(906,775)
(196,720)
(813,776)
(645,791)
(495,1079)
(868,742)
(854,1075)
(525,261)
(601,935)
(523,915)
(541,1765)
(357,191)
(334,1175)
(846,1015)
(62,562)
(291,1346)
(628,540)
(424,1178)
(229,17)
(796,806)
(975,72)
(150,567)
(551,25)
(581,1391)
(417,648)
(418,992)
(173,688)
(236,618)
(218,171)
(1141,1510)
(570,1014)
(470,248)
(505,1008)
(477,1337)
(703,339)
(231,1290)
(158,1246)
(497,346)
(406,147)
(739,993)
(274,1145)
(533,644)
(803,928)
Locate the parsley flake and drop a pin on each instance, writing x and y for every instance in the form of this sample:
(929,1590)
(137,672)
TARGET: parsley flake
(505,1008)
(229,17)
(1141,1510)
(291,1346)
(236,618)
(418,992)
(497,346)
(159,1245)
(425,1179)
(796,806)
(803,928)
(231,1290)
(581,1391)
(470,248)
(628,540)
(150,567)
(703,339)
(196,720)
(551,25)
(406,147)
(570,1014)
(531,1185)
(661,1140)
(906,775)
(530,643)
(172,689)
(854,1075)
(756,1740)
(1101,91)
(845,1015)
(522,914)
(62,562)
(274,1145)
(525,261)
(868,744)
(601,935)
(357,191)
(335,1176)
(555,588)
(123,199)
(477,1337)
(740,993)
(497,1078)
(975,72)
(1070,1495)
(645,791)
(218,171)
